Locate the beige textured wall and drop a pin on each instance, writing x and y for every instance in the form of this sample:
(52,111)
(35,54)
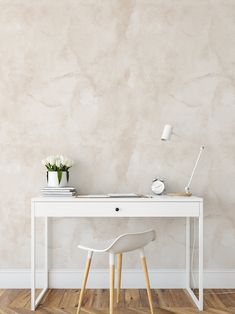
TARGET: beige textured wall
(97,80)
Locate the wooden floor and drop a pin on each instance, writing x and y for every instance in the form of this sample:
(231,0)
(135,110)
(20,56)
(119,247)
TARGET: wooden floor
(133,301)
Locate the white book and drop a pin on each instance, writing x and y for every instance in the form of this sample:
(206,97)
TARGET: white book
(59,195)
(58,192)
(58,189)
(91,196)
(123,195)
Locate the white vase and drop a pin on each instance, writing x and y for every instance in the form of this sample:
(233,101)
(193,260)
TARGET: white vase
(53,181)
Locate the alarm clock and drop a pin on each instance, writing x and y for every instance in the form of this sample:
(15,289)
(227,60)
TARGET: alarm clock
(158,186)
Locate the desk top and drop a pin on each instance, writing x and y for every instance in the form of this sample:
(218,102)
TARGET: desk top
(160,198)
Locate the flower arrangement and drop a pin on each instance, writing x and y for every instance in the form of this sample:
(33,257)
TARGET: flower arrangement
(59,164)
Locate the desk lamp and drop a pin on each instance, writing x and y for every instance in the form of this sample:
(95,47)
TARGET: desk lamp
(166,136)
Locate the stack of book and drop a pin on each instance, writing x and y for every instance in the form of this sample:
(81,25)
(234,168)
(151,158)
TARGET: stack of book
(57,192)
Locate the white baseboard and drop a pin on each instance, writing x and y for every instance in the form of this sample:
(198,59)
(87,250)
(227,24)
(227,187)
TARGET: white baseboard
(98,278)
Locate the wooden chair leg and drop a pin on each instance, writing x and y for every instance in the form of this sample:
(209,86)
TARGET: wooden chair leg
(111,283)
(145,269)
(87,268)
(119,273)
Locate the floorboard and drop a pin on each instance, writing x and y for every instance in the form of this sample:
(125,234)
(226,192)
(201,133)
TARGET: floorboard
(133,301)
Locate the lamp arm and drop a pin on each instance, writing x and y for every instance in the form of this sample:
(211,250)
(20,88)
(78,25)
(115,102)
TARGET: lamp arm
(194,169)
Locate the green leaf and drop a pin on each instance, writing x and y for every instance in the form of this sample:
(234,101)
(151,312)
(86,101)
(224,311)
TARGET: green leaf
(59,175)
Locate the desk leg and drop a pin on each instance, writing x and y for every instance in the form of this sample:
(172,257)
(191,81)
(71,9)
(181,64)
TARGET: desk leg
(32,258)
(188,260)
(198,301)
(44,290)
(46,253)
(200,232)
(36,301)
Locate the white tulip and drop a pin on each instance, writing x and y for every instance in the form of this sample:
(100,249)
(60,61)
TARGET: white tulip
(57,163)
(44,162)
(50,160)
(67,163)
(70,163)
(63,160)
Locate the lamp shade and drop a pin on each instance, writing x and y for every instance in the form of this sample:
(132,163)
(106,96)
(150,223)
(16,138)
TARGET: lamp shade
(167,132)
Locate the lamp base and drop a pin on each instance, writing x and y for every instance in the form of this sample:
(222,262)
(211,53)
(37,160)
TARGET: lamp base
(179,194)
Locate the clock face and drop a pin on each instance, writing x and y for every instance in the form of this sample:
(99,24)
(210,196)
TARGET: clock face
(158,186)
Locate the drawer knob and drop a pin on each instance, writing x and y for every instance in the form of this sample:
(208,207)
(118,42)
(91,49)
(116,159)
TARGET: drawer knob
(117,209)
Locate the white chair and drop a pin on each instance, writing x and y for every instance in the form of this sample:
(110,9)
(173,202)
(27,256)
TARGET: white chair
(124,243)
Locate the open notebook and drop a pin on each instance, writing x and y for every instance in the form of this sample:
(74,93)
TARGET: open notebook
(110,195)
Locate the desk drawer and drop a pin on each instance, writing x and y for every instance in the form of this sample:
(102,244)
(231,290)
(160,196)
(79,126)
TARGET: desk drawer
(116,209)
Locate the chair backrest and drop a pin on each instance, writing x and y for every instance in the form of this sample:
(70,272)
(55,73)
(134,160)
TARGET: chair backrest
(132,241)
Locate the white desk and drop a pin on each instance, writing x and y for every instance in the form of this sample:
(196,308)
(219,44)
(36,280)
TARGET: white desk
(160,206)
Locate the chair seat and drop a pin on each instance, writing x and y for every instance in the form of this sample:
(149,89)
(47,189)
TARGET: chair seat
(97,246)
(124,243)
